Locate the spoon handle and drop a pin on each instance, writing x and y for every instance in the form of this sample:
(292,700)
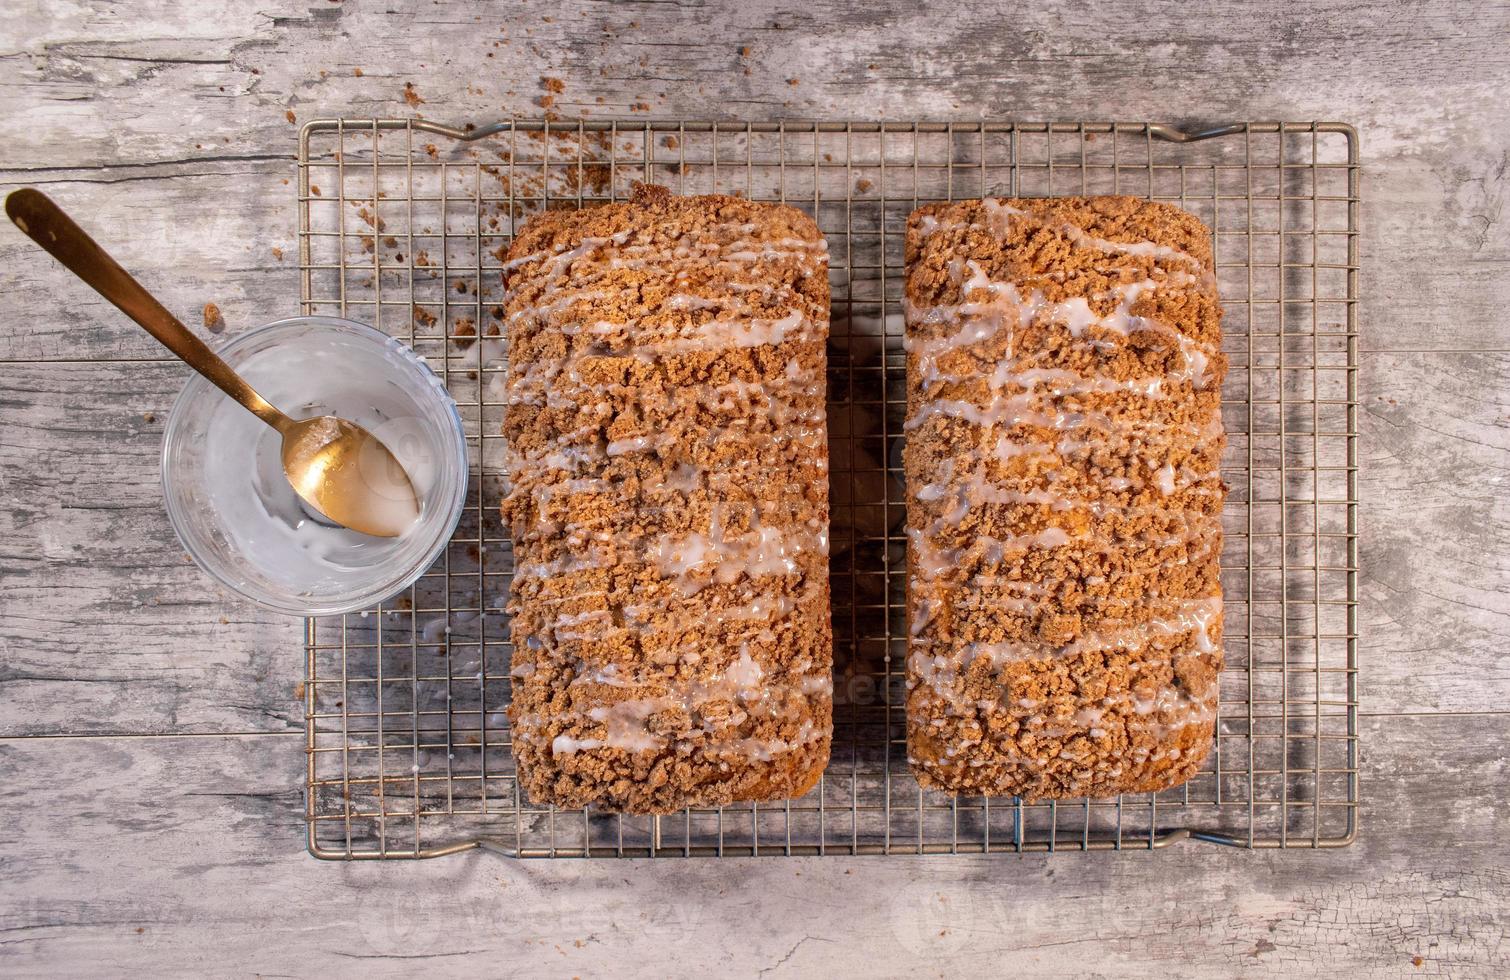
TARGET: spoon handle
(46,224)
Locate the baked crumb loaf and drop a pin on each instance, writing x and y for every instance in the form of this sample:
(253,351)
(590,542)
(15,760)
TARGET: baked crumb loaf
(668,463)
(1064,431)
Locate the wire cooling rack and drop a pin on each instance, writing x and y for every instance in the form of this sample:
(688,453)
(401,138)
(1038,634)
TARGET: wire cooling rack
(400,225)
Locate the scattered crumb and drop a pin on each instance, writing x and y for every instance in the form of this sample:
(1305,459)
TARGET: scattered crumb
(390,242)
(357,72)
(552,84)
(423,317)
(213,321)
(299,691)
(639,107)
(149,416)
(278,253)
(744,50)
(410,95)
(431,151)
(672,142)
(289,115)
(323,73)
(314,189)
(546,101)
(465,332)
(1417,962)
(140,930)
(224,621)
(793,81)
(862,185)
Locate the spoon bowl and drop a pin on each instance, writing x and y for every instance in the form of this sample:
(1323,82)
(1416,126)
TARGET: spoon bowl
(344,472)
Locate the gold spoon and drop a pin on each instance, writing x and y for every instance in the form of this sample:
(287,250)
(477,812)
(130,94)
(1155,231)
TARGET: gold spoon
(340,469)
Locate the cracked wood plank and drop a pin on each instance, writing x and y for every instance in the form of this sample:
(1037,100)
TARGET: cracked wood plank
(182,86)
(149,846)
(111,630)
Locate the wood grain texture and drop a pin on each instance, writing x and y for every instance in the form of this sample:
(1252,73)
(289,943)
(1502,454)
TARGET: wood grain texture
(166,126)
(217,820)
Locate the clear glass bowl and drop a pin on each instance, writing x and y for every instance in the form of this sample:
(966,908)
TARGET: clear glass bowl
(238,517)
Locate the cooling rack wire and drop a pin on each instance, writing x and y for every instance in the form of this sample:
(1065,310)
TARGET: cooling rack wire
(400,225)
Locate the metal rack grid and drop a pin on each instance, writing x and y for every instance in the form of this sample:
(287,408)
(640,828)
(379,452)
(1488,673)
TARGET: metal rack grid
(401,222)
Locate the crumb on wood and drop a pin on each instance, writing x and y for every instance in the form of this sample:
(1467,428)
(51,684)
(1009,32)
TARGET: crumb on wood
(314,189)
(431,151)
(412,96)
(149,416)
(862,185)
(357,72)
(461,285)
(278,253)
(639,107)
(546,101)
(213,321)
(464,333)
(423,317)
(672,142)
(793,81)
(299,691)
(289,115)
(744,50)
(552,84)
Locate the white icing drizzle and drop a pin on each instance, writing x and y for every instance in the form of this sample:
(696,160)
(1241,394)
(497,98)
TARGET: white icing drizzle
(758,560)
(975,340)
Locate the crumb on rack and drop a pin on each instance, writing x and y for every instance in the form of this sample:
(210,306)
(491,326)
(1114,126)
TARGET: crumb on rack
(464,334)
(423,317)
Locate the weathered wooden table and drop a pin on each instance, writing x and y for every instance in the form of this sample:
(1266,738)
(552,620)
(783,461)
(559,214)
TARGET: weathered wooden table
(150,737)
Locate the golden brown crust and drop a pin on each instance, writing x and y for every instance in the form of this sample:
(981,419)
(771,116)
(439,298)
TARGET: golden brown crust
(1064,438)
(669,503)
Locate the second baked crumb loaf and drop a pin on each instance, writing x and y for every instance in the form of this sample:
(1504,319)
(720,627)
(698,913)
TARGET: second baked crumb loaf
(668,462)
(1063,438)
